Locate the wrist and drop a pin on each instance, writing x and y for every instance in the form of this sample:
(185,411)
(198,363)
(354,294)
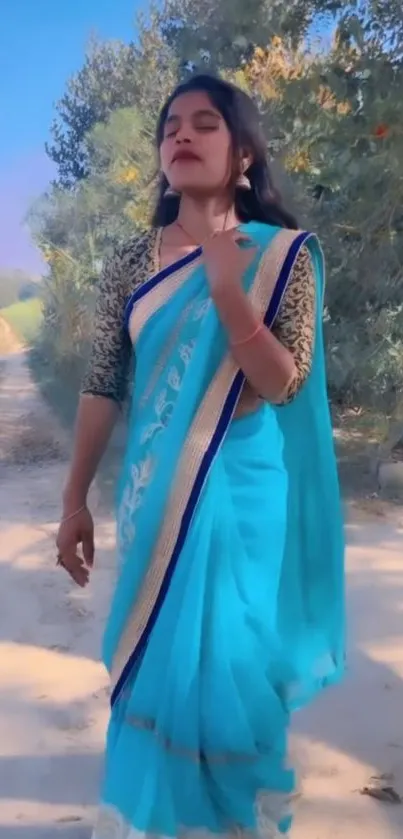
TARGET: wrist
(247,337)
(236,313)
(221,288)
(73,498)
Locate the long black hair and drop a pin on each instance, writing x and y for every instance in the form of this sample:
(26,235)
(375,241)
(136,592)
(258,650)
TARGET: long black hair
(262,202)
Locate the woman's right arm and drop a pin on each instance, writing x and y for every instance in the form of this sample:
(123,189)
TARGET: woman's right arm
(96,417)
(104,387)
(103,391)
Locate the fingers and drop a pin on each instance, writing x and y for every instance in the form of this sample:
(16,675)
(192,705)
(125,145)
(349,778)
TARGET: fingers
(238,236)
(74,532)
(75,567)
(244,242)
(235,235)
(68,558)
(88,548)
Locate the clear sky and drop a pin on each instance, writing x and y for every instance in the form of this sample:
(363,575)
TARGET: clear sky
(42,42)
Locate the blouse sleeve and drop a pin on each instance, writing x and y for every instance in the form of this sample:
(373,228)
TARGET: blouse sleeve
(295,322)
(110,358)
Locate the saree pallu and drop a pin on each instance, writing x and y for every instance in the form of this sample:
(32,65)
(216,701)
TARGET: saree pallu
(229,607)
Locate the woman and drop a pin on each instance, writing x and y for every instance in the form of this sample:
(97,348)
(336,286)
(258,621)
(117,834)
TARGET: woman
(228,611)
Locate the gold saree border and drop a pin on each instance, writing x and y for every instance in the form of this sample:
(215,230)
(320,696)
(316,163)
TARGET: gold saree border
(154,299)
(199,438)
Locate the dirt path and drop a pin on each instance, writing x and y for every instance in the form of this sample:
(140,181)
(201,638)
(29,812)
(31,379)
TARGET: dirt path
(53,701)
(52,688)
(356,731)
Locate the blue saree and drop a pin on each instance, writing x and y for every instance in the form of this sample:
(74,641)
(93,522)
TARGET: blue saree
(229,607)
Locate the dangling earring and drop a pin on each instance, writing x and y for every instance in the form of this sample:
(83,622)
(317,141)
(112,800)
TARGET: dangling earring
(243,182)
(171,193)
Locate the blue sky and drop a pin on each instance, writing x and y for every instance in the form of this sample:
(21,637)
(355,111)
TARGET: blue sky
(42,42)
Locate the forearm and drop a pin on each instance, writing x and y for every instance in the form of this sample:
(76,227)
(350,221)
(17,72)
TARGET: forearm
(268,366)
(96,418)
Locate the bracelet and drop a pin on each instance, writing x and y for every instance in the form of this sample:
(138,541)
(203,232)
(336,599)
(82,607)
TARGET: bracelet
(73,515)
(243,341)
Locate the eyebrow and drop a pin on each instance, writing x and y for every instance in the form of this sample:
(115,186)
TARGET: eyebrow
(205,112)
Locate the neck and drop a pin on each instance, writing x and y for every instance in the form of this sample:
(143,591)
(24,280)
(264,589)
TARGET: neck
(203,217)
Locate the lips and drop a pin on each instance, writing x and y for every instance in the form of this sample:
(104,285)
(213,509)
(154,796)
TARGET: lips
(185,156)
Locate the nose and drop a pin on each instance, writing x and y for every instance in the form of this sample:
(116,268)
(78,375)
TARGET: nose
(183,134)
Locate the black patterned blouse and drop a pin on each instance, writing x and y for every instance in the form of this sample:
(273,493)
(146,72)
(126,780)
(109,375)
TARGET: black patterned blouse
(109,367)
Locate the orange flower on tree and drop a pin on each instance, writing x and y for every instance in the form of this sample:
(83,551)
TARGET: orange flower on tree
(381,131)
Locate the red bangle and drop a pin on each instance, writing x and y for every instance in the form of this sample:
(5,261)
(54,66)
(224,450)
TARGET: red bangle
(253,335)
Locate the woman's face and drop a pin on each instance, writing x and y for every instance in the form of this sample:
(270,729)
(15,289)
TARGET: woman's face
(195,151)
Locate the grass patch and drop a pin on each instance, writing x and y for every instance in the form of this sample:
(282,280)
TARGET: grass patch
(59,387)
(358,436)
(25,319)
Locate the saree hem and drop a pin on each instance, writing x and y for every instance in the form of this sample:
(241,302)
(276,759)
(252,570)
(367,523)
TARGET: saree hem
(273,821)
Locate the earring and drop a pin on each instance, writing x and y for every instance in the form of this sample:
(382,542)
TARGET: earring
(243,182)
(171,193)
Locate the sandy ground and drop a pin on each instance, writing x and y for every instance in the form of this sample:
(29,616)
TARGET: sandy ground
(53,697)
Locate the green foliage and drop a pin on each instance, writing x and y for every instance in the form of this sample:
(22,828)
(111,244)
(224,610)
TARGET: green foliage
(217,36)
(345,113)
(107,165)
(114,75)
(104,83)
(28,291)
(13,284)
(25,318)
(327,76)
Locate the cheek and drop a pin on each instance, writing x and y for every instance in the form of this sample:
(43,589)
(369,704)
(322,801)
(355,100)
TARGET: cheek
(220,156)
(165,155)
(219,162)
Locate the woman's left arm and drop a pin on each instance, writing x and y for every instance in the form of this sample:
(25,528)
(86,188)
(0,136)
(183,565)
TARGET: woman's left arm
(276,361)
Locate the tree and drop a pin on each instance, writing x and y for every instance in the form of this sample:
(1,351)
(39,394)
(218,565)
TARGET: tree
(105,82)
(331,108)
(340,120)
(15,285)
(209,34)
(114,75)
(222,34)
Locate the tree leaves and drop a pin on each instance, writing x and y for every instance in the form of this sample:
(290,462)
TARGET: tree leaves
(328,78)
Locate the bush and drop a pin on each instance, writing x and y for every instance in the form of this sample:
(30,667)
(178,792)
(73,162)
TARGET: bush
(28,291)
(26,319)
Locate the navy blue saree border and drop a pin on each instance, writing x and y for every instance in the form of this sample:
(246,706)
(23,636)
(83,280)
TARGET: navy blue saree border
(283,277)
(156,279)
(207,461)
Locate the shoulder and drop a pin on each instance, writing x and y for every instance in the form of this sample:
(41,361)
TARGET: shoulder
(132,261)
(297,251)
(301,286)
(285,241)
(303,265)
(137,245)
(137,248)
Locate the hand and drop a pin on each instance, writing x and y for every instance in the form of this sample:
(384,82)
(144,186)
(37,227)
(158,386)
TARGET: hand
(226,257)
(78,530)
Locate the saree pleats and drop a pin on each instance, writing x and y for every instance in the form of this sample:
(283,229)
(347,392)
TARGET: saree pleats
(198,738)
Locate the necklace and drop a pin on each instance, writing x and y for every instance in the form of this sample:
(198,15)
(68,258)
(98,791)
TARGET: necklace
(193,240)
